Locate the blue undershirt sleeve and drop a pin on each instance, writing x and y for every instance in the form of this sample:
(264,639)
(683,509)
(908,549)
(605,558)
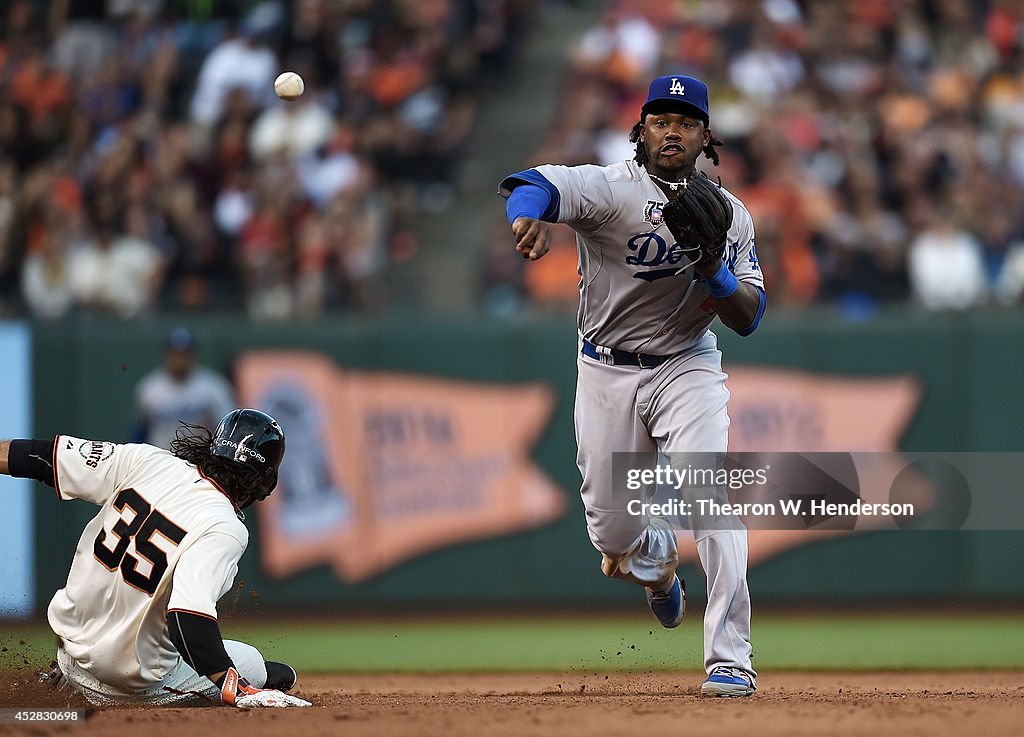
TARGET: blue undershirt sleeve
(530,180)
(527,200)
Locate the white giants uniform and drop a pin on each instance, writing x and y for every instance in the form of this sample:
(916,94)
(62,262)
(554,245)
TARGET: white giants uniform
(164,538)
(636,296)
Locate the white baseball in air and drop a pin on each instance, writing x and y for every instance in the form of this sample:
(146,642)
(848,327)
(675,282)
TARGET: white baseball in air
(289,86)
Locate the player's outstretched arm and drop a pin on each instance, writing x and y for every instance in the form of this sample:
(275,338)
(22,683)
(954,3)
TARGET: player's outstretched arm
(27,459)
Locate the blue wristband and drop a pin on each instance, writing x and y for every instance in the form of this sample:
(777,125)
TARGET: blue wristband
(723,284)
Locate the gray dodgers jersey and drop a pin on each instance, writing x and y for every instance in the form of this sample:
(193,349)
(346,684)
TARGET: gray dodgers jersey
(202,399)
(631,297)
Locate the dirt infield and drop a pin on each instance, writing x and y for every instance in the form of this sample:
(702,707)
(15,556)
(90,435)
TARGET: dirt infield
(788,704)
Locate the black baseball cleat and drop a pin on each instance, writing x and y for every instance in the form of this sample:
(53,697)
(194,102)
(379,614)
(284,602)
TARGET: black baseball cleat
(280,676)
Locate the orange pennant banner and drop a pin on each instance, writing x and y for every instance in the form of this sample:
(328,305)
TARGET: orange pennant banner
(780,410)
(383,467)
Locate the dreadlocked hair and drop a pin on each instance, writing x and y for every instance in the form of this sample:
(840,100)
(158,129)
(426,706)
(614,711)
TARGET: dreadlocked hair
(641,150)
(192,444)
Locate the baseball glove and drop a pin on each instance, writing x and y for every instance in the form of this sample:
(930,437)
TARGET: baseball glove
(699,219)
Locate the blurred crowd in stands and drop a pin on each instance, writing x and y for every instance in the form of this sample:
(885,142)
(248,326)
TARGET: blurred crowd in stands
(145,163)
(879,144)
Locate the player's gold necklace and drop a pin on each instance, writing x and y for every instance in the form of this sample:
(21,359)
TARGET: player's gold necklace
(674,186)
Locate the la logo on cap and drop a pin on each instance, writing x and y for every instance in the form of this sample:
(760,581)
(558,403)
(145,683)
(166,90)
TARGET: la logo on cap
(676,88)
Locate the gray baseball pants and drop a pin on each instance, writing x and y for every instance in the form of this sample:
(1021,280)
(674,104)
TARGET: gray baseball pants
(180,686)
(678,407)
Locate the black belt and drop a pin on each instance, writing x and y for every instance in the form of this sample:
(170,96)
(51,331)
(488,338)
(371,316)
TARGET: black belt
(625,358)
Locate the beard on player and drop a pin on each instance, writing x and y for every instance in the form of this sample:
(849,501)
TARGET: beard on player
(670,167)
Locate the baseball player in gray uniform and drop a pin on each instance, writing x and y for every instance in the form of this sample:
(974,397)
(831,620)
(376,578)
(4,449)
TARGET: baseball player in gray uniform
(136,621)
(649,370)
(179,391)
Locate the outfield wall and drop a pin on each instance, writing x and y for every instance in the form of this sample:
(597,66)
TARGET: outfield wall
(966,367)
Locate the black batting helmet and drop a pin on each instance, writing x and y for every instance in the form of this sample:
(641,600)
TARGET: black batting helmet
(251,439)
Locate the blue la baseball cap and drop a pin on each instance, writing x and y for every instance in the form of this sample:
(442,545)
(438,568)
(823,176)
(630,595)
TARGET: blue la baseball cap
(686,91)
(181,339)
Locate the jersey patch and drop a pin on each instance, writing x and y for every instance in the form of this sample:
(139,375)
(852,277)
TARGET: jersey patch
(653,213)
(94,452)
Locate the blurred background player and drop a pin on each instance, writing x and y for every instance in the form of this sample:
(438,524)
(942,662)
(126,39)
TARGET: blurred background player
(179,391)
(134,633)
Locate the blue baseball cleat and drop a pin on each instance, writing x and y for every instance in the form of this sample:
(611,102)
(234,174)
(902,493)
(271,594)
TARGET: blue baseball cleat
(669,606)
(728,682)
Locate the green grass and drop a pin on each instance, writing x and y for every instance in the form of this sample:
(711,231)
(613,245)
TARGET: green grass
(854,642)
